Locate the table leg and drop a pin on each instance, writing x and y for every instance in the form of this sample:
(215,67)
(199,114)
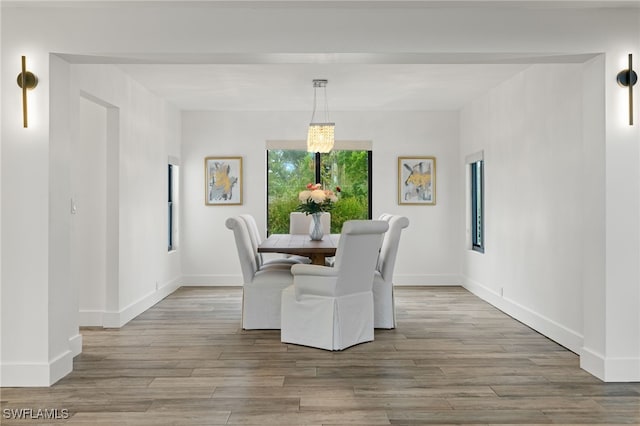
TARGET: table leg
(317,259)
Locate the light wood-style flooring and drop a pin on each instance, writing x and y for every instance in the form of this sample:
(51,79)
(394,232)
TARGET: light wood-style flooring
(453,359)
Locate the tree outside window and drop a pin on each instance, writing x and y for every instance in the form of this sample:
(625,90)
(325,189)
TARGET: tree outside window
(289,171)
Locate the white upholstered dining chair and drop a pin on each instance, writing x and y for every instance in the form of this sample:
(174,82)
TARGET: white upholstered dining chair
(299,223)
(383,298)
(262,287)
(256,239)
(332,307)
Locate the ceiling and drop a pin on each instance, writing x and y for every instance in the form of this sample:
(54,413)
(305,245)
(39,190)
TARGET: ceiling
(351,87)
(357,82)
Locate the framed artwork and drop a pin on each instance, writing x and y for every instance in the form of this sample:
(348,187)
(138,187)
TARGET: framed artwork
(417,180)
(222,181)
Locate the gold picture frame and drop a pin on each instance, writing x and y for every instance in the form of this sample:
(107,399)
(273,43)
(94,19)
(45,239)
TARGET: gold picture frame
(417,181)
(222,181)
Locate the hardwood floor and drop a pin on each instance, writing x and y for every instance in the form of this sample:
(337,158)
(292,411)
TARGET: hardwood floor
(452,360)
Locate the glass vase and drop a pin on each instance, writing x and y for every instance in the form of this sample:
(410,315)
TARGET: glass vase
(315,229)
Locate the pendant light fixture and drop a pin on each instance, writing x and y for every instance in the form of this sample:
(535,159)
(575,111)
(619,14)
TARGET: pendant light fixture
(320,137)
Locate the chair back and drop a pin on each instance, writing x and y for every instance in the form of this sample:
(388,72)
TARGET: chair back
(299,223)
(254,236)
(390,243)
(385,216)
(356,255)
(244,247)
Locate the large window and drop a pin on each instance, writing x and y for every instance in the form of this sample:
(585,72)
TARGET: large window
(289,171)
(477,205)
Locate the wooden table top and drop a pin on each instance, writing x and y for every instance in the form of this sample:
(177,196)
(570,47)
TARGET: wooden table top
(299,244)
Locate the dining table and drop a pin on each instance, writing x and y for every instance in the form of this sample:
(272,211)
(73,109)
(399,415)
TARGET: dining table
(302,245)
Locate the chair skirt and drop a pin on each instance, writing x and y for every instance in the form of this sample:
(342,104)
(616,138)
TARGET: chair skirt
(383,303)
(261,302)
(331,323)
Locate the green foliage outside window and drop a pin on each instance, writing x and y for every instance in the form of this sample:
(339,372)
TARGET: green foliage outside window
(290,171)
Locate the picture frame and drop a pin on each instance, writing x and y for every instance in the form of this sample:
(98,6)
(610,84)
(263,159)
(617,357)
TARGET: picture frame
(223,181)
(417,181)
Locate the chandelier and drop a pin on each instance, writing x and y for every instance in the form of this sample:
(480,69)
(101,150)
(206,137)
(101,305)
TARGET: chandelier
(320,137)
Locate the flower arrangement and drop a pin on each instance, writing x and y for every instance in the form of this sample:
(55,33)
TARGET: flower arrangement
(316,200)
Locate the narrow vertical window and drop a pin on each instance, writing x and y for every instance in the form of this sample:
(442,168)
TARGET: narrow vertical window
(170,208)
(477,205)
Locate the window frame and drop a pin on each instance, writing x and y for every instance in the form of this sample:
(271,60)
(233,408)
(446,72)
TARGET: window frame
(170,207)
(477,224)
(318,175)
(173,204)
(476,202)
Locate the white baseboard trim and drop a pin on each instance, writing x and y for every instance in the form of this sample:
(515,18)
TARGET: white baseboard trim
(592,362)
(610,369)
(60,367)
(75,345)
(90,318)
(212,280)
(427,280)
(566,337)
(36,374)
(112,319)
(25,374)
(622,369)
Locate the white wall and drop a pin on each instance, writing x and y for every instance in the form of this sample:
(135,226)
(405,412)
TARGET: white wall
(428,249)
(594,218)
(147,135)
(536,165)
(89,215)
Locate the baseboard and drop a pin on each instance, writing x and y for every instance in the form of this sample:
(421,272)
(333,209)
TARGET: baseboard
(593,362)
(90,318)
(24,375)
(622,370)
(428,280)
(212,280)
(566,337)
(111,319)
(36,374)
(610,369)
(75,345)
(60,367)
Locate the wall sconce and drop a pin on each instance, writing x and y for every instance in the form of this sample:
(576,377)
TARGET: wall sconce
(26,80)
(628,78)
